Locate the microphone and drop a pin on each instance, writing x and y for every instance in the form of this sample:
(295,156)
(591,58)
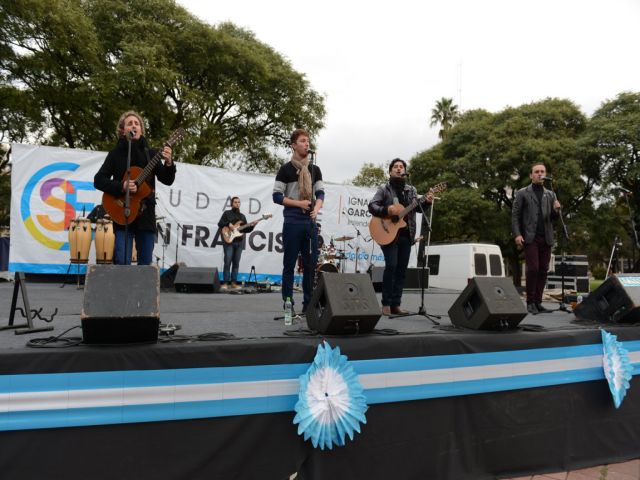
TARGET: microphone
(311,152)
(405,174)
(132,133)
(547,178)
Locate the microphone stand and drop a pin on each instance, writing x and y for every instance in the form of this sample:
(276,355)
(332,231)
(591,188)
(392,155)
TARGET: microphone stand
(563,307)
(178,228)
(614,254)
(312,228)
(422,311)
(127,208)
(358,235)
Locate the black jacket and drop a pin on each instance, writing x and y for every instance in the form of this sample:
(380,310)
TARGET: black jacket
(524,214)
(384,197)
(111,175)
(229,216)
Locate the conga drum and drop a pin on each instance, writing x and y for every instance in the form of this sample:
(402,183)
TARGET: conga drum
(79,240)
(105,241)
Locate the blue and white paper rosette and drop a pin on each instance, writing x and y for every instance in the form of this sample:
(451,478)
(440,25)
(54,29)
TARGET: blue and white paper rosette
(331,402)
(617,367)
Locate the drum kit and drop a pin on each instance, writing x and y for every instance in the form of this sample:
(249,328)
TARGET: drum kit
(331,259)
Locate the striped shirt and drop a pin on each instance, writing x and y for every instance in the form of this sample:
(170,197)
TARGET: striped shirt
(286,185)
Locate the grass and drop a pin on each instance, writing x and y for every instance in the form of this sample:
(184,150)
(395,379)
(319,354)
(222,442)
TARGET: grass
(593,284)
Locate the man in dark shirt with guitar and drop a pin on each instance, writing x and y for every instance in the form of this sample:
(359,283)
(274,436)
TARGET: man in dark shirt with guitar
(229,224)
(387,202)
(111,179)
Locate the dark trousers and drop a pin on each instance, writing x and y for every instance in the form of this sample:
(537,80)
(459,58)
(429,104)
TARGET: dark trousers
(299,238)
(232,254)
(396,259)
(536,256)
(145,241)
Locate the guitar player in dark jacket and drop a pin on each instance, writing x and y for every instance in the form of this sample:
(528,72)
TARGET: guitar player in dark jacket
(111,179)
(396,253)
(233,251)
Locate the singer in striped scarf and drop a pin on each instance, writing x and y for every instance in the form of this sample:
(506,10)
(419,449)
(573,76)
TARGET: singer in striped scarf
(299,189)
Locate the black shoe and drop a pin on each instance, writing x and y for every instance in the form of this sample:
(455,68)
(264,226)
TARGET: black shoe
(532,309)
(541,309)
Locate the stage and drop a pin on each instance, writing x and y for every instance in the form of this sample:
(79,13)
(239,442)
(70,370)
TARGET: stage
(216,399)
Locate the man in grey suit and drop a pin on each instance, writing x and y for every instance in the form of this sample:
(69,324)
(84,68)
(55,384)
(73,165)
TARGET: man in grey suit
(534,210)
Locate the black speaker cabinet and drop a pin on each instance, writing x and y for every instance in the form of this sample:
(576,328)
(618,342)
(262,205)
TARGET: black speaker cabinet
(121,304)
(197,280)
(616,300)
(412,280)
(168,277)
(488,303)
(376,278)
(342,304)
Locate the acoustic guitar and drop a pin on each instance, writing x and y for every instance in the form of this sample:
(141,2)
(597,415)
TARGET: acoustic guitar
(114,205)
(235,230)
(384,231)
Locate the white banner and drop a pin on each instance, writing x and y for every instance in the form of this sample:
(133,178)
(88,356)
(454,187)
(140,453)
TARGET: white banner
(51,186)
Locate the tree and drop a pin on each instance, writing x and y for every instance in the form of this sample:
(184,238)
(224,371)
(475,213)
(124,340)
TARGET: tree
(73,66)
(370,175)
(445,114)
(5,185)
(486,158)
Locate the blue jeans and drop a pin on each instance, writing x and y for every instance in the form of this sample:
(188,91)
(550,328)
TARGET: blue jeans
(232,254)
(145,241)
(396,258)
(299,238)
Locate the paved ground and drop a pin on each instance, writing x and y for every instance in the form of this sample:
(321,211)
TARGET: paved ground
(617,471)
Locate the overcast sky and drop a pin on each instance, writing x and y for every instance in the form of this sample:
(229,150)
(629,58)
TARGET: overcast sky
(382,65)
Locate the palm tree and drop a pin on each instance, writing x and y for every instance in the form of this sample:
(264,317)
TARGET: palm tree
(445,114)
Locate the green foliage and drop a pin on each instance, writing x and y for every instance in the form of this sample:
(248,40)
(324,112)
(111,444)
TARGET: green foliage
(599,272)
(5,187)
(445,114)
(486,158)
(370,175)
(69,68)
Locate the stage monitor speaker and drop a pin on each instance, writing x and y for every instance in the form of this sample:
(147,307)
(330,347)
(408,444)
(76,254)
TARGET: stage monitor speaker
(168,277)
(121,304)
(343,304)
(616,300)
(197,280)
(488,303)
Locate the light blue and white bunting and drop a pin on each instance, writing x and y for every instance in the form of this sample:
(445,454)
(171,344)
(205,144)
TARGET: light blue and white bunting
(331,402)
(617,367)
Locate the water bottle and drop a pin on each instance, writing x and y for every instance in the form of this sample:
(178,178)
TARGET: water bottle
(288,309)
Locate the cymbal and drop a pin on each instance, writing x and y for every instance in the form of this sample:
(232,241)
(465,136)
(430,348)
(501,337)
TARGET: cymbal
(343,239)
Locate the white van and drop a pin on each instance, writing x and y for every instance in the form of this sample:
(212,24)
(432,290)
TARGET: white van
(453,265)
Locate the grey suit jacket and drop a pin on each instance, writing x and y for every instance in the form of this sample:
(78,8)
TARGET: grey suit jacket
(524,215)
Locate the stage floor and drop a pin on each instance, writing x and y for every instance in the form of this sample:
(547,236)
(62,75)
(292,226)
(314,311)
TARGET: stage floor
(242,315)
